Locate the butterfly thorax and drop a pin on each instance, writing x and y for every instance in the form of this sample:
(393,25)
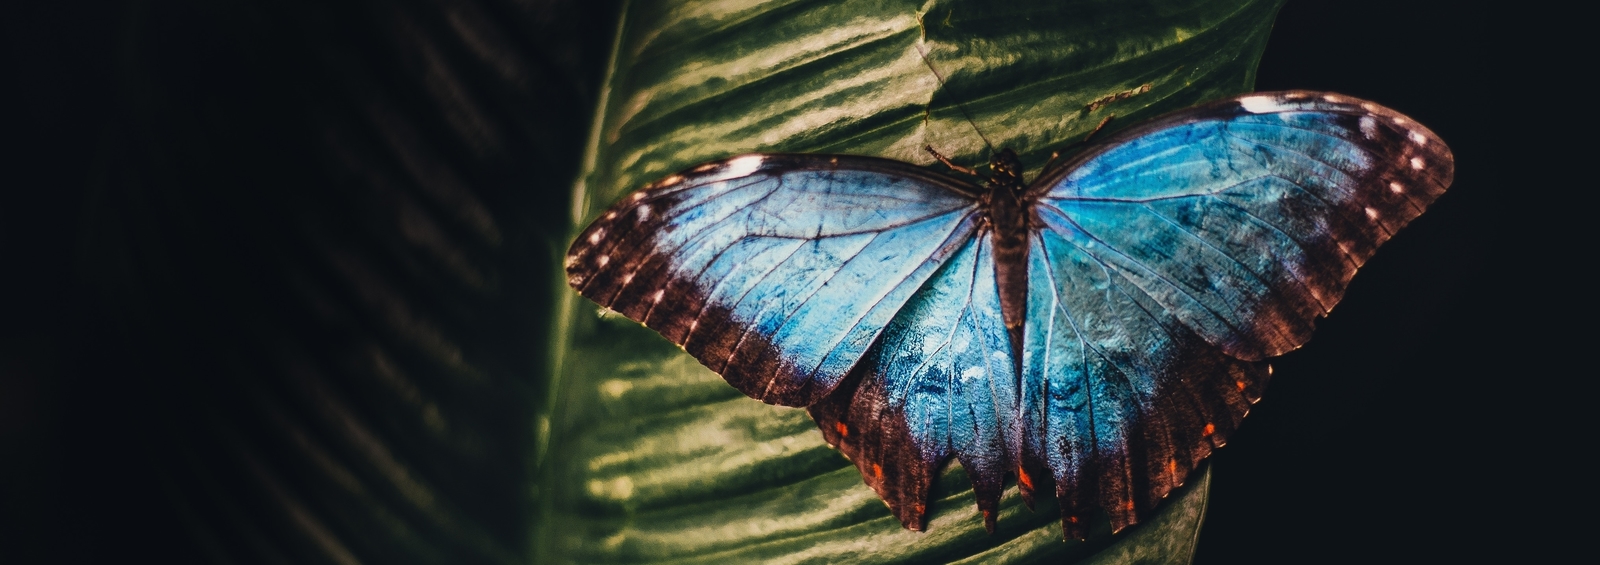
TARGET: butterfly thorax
(1006,210)
(1002,202)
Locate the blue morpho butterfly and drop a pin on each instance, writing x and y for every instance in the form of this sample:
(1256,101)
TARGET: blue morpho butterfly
(1096,332)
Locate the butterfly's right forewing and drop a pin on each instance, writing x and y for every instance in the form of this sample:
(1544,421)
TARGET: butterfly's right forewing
(1247,218)
(777,271)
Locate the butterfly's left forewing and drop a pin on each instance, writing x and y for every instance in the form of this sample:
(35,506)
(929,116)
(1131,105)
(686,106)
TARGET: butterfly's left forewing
(777,271)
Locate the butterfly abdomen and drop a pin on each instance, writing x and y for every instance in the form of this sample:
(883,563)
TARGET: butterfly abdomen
(1007,213)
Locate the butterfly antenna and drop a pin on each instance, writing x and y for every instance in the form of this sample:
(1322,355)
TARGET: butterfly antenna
(1057,153)
(948,163)
(959,106)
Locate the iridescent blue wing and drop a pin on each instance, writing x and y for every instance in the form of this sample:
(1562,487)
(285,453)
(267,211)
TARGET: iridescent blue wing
(1168,261)
(1120,400)
(942,381)
(776,271)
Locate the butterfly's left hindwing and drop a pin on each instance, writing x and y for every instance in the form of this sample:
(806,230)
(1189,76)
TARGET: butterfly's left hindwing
(777,271)
(941,382)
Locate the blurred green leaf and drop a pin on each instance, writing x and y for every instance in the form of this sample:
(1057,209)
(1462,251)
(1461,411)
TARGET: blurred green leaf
(646,456)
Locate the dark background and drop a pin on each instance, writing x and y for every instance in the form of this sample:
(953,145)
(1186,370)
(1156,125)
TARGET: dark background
(1382,440)
(209,226)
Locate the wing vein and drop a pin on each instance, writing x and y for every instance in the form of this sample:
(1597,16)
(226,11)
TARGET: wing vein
(856,323)
(1180,288)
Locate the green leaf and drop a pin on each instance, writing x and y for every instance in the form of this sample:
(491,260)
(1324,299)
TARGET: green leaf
(650,457)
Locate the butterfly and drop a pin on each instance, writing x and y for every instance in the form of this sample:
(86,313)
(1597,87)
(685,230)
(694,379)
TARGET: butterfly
(1094,333)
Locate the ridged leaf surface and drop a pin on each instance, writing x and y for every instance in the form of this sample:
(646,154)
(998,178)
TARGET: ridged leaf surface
(646,455)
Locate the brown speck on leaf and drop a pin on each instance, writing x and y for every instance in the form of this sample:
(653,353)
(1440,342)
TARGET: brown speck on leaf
(1100,102)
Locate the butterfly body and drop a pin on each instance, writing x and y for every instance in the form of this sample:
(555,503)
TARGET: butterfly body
(1005,209)
(1094,333)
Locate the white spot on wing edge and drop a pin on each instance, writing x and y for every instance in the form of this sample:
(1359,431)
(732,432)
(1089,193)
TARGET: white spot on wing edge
(1417,138)
(603,260)
(1260,104)
(612,215)
(595,237)
(743,165)
(656,298)
(1396,187)
(1369,127)
(1372,213)
(644,212)
(1416,163)
(628,278)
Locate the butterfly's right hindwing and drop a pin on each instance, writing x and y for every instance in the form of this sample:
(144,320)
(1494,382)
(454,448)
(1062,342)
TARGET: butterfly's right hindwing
(1120,400)
(777,271)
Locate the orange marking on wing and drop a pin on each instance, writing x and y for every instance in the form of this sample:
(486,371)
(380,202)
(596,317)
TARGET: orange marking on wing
(877,471)
(1210,429)
(1241,385)
(1129,506)
(843,429)
(1022,476)
(1172,466)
